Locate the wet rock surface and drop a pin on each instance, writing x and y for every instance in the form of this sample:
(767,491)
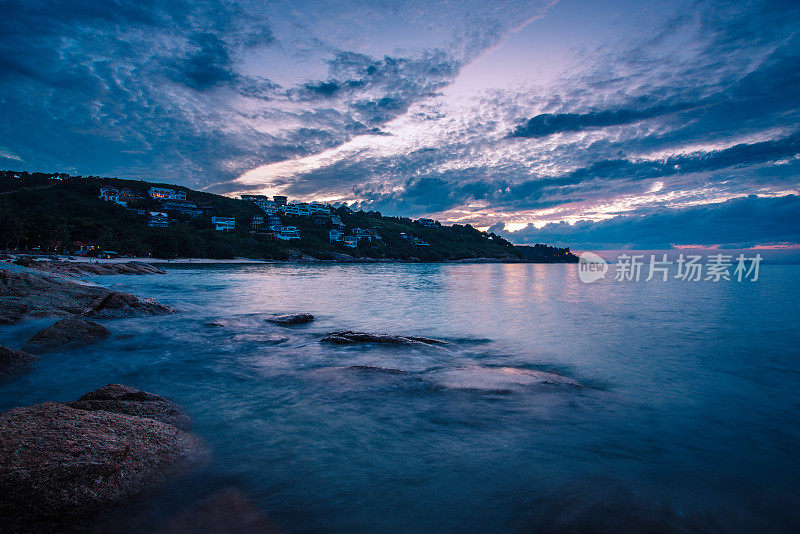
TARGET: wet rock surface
(24,294)
(118,304)
(14,362)
(346,337)
(60,466)
(73,330)
(291,318)
(80,267)
(118,398)
(272,339)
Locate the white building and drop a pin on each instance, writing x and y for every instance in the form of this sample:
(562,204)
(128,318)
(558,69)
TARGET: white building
(335,235)
(318,207)
(257,221)
(158,219)
(109,194)
(291,209)
(288,233)
(162,193)
(426,222)
(225,224)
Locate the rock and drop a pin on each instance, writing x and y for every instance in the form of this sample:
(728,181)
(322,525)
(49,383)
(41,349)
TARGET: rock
(230,511)
(291,318)
(14,362)
(66,331)
(496,379)
(38,295)
(218,323)
(119,304)
(78,267)
(346,337)
(45,295)
(131,401)
(60,466)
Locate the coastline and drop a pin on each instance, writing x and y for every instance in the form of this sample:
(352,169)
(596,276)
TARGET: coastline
(253,261)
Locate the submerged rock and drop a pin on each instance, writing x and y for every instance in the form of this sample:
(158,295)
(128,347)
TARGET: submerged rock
(119,304)
(66,331)
(14,362)
(45,295)
(227,511)
(497,379)
(291,318)
(346,337)
(260,338)
(59,466)
(126,400)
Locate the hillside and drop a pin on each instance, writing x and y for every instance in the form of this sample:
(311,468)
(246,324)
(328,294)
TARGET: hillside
(52,212)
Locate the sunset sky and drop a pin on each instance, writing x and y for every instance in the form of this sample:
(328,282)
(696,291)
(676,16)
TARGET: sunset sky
(600,124)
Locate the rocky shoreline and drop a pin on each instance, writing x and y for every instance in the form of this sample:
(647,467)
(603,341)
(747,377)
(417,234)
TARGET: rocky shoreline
(67,462)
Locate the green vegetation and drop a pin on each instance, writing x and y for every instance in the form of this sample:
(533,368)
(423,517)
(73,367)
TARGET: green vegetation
(55,213)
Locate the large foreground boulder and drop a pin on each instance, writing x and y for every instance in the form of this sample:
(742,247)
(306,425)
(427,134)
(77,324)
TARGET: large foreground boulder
(59,466)
(25,294)
(118,304)
(14,362)
(126,400)
(291,318)
(73,330)
(346,337)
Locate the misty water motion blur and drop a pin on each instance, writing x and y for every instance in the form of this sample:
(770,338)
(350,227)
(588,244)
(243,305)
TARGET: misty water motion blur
(555,405)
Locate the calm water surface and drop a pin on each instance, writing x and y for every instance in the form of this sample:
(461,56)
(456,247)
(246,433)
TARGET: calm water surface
(686,418)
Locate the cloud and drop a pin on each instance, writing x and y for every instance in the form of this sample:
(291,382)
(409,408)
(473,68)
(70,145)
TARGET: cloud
(208,65)
(550,123)
(739,223)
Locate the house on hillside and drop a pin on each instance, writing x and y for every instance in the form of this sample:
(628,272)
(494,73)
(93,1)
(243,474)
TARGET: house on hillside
(291,209)
(223,224)
(163,193)
(157,219)
(361,233)
(350,241)
(257,222)
(111,194)
(337,222)
(183,207)
(426,222)
(417,242)
(335,235)
(288,233)
(318,207)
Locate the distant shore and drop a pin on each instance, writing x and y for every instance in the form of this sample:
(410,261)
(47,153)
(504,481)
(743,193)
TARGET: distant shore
(246,261)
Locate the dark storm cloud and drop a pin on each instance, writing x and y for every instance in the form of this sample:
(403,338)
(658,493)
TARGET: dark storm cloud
(625,169)
(208,65)
(738,223)
(550,123)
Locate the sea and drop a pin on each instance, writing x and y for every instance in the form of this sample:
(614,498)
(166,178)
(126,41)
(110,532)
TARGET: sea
(554,405)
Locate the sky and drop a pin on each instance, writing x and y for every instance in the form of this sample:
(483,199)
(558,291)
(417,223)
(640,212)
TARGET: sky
(593,124)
